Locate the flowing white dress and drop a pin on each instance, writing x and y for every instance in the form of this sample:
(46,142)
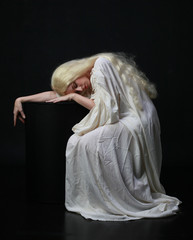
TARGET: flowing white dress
(113,160)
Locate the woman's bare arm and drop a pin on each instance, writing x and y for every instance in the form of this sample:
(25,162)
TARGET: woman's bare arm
(84,101)
(39,97)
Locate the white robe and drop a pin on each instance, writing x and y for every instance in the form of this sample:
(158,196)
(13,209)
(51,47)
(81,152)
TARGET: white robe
(113,160)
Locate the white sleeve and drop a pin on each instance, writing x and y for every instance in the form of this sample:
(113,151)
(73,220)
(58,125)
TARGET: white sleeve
(105,110)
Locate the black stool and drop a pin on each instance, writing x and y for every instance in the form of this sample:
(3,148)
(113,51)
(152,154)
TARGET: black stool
(48,128)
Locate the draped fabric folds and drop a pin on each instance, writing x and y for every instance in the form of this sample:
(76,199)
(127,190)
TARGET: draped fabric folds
(113,159)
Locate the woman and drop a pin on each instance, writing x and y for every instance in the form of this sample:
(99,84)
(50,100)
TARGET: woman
(113,160)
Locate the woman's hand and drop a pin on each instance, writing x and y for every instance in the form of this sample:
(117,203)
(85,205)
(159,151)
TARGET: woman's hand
(84,101)
(18,111)
(67,97)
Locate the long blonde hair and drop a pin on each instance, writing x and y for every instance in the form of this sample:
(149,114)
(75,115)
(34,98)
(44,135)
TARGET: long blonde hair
(66,73)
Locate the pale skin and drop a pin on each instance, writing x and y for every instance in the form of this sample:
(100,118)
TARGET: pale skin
(74,91)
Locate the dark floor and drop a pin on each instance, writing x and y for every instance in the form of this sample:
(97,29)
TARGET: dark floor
(22,220)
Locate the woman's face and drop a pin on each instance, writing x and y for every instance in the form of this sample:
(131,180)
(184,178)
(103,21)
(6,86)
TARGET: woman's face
(81,85)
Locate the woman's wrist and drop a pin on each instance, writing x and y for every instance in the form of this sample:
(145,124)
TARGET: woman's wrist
(21,99)
(72,96)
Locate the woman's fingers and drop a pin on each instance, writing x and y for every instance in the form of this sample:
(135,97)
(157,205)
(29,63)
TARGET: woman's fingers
(22,114)
(14,119)
(19,115)
(18,112)
(52,100)
(21,119)
(15,115)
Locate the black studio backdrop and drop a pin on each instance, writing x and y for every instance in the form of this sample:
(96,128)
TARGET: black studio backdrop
(38,35)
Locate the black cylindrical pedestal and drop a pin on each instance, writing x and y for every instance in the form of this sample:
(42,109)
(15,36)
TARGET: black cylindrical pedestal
(48,128)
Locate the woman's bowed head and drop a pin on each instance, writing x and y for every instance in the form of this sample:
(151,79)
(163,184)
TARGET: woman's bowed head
(78,90)
(71,81)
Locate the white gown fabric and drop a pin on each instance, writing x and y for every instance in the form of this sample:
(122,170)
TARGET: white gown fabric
(113,160)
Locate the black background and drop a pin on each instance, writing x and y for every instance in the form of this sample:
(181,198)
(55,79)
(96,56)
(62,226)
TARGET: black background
(38,35)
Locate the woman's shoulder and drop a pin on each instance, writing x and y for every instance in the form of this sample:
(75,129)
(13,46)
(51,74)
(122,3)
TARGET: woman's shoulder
(101,62)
